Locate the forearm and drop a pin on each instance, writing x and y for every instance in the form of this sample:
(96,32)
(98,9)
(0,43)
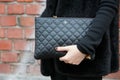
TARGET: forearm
(98,27)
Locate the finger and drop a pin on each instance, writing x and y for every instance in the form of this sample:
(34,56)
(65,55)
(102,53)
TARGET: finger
(61,48)
(66,61)
(64,58)
(75,63)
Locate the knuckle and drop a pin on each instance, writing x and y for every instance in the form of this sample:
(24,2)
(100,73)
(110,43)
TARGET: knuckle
(77,64)
(67,59)
(70,62)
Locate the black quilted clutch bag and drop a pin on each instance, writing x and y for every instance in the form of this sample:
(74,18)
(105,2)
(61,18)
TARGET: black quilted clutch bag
(53,32)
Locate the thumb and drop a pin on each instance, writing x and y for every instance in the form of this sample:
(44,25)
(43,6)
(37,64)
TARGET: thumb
(64,58)
(61,48)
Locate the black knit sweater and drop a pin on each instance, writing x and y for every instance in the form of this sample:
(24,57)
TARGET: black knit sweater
(98,42)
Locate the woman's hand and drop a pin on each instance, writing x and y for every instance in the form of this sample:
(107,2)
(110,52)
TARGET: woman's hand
(73,55)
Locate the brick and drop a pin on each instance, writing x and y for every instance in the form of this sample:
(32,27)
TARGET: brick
(20,44)
(2,8)
(9,57)
(26,21)
(6,0)
(119,60)
(5,68)
(8,20)
(5,45)
(15,9)
(30,33)
(40,0)
(33,9)
(21,69)
(27,57)
(23,45)
(15,33)
(24,0)
(2,32)
(34,69)
(114,75)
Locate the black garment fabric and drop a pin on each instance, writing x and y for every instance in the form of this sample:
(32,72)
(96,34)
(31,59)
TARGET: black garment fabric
(57,76)
(101,41)
(85,78)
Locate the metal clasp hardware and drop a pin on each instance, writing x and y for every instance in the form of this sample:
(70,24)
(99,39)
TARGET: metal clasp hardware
(54,16)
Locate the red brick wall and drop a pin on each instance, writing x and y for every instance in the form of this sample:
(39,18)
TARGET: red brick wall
(17,36)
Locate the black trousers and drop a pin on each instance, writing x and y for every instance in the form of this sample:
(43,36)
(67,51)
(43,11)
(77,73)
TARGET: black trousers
(57,76)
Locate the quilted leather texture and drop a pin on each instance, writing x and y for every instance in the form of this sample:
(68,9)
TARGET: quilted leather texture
(53,32)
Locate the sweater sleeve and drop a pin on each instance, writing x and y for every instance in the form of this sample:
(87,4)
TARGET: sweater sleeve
(50,8)
(104,15)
